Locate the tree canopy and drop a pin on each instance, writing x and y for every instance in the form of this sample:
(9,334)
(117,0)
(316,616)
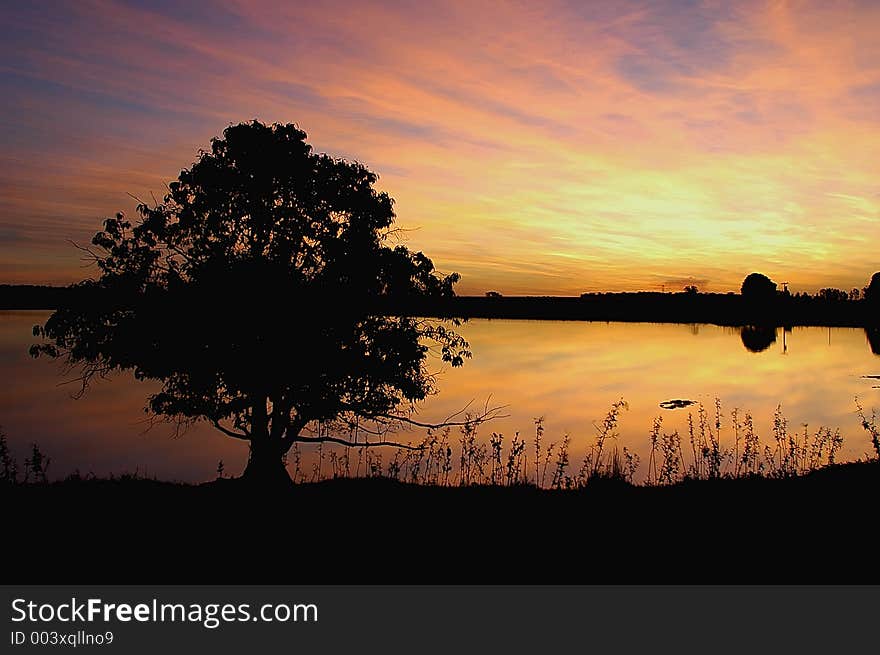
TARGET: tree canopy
(260,292)
(759,287)
(872,291)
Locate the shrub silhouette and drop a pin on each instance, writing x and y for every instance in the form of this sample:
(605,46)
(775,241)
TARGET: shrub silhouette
(252,294)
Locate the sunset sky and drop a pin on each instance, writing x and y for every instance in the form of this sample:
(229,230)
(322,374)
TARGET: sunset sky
(534,147)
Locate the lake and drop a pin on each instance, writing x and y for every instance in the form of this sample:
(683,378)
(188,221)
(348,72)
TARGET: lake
(568,372)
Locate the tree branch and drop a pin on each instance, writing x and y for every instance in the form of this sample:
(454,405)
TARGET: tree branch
(229,433)
(292,432)
(92,256)
(488,414)
(89,371)
(355,444)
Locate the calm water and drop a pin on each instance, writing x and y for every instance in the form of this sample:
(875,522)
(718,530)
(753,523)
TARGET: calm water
(568,372)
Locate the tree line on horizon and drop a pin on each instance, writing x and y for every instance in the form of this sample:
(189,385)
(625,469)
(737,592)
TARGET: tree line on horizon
(755,285)
(761,287)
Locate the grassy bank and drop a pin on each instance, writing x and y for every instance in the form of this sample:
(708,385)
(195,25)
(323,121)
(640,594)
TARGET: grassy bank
(815,528)
(718,504)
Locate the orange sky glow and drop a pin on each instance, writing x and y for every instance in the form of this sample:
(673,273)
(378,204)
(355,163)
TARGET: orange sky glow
(534,147)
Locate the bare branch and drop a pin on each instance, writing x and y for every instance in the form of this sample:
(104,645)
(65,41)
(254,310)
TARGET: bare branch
(181,424)
(488,414)
(88,372)
(92,256)
(354,444)
(136,199)
(230,433)
(355,425)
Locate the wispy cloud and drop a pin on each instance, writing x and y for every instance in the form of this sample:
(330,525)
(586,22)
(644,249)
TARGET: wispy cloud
(542,148)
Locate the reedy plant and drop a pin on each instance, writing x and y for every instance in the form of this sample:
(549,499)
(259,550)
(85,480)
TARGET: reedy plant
(870,426)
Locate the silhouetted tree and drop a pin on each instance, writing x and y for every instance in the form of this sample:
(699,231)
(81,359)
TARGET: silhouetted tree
(493,294)
(758,287)
(691,289)
(872,291)
(257,294)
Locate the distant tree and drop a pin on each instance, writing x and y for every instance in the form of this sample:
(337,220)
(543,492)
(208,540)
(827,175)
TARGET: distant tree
(854,294)
(872,291)
(758,287)
(493,294)
(832,295)
(258,294)
(691,289)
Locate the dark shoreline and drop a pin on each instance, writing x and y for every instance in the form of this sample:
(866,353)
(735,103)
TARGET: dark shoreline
(648,307)
(811,529)
(643,307)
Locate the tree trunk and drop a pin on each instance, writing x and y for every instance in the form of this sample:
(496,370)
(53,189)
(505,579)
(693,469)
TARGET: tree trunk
(266,465)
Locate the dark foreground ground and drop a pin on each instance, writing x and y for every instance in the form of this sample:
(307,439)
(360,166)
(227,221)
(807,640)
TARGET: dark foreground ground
(816,529)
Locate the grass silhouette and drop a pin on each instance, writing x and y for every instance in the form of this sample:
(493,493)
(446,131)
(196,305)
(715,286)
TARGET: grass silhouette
(718,504)
(717,445)
(444,459)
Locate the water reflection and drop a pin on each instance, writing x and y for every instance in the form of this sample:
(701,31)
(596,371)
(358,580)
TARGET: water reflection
(757,339)
(568,372)
(873,336)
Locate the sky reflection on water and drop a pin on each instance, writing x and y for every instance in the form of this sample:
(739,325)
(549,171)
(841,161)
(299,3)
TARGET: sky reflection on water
(568,372)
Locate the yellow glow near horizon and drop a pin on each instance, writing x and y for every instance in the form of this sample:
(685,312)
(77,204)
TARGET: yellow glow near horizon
(545,150)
